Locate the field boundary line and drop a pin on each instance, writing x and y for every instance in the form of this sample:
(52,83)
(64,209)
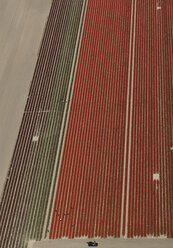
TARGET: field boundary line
(128,126)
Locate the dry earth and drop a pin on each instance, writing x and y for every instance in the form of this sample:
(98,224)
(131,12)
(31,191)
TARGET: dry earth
(22,24)
(105,243)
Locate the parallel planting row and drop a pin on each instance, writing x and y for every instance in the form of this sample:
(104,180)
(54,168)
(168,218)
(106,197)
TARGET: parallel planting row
(94,152)
(27,190)
(89,191)
(116,174)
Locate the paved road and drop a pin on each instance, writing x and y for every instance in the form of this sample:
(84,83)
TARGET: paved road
(105,243)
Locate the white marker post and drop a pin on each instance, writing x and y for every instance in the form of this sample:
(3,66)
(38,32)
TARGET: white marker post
(35,138)
(156,177)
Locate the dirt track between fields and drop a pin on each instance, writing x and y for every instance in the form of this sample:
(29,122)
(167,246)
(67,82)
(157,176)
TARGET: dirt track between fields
(107,243)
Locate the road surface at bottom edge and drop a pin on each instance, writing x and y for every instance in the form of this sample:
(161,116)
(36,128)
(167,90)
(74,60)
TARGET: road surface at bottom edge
(108,243)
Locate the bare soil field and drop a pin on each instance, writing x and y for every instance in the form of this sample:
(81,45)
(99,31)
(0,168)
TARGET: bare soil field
(22,24)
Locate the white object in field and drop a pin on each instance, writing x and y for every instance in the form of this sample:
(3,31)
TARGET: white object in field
(156,176)
(159,7)
(171,148)
(35,139)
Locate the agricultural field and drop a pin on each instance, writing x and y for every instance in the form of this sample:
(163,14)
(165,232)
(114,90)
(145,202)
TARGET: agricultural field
(94,153)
